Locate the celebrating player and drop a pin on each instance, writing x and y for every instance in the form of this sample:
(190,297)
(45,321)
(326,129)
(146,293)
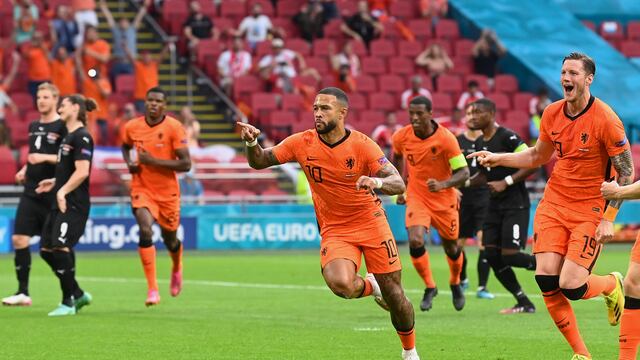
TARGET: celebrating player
(65,223)
(45,136)
(154,147)
(507,222)
(473,210)
(630,322)
(436,167)
(571,222)
(344,168)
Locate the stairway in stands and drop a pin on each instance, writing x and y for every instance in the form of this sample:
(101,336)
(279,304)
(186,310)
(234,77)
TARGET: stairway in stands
(208,108)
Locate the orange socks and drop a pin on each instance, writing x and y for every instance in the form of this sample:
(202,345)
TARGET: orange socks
(408,339)
(564,318)
(597,284)
(423,268)
(455,268)
(176,259)
(630,329)
(148,258)
(368,289)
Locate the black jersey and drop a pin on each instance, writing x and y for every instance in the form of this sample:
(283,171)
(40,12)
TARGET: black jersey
(478,193)
(516,195)
(44,138)
(77,145)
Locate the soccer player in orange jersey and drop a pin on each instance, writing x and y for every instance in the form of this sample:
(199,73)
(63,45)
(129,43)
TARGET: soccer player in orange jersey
(344,168)
(630,322)
(155,149)
(436,167)
(571,221)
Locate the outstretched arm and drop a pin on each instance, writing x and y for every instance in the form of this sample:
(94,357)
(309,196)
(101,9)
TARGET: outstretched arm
(387,179)
(532,157)
(141,13)
(624,167)
(259,158)
(613,191)
(107,14)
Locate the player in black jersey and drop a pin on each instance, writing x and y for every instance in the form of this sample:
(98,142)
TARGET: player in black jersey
(45,136)
(507,222)
(473,209)
(66,221)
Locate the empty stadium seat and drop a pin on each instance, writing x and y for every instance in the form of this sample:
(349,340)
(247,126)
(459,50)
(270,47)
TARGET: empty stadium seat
(321,47)
(233,9)
(208,47)
(502,101)
(292,102)
(373,65)
(332,28)
(420,28)
(8,165)
(409,48)
(521,101)
(366,83)
(126,83)
(449,83)
(357,101)
(447,29)
(287,9)
(633,30)
(403,9)
(299,45)
(383,101)
(319,63)
(391,83)
(506,83)
(463,47)
(442,104)
(401,66)
(630,48)
(383,48)
(23,101)
(282,118)
(245,85)
(267,7)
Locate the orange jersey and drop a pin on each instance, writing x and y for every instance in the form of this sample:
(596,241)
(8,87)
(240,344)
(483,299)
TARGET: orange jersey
(89,62)
(160,141)
(146,76)
(428,159)
(583,144)
(39,68)
(63,76)
(332,172)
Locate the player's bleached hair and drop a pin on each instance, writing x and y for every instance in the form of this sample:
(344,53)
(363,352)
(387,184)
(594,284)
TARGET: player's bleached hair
(587,63)
(422,100)
(485,103)
(50,87)
(85,104)
(339,94)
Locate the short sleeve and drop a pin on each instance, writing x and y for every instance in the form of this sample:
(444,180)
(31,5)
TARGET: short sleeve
(454,154)
(285,151)
(545,122)
(244,25)
(373,156)
(613,135)
(179,137)
(82,147)
(124,134)
(396,143)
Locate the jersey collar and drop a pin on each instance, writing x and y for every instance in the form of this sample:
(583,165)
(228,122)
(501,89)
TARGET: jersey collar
(586,108)
(344,138)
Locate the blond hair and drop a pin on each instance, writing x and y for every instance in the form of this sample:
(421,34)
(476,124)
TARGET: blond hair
(52,88)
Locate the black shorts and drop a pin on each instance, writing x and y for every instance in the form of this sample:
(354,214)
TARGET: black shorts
(63,229)
(31,215)
(506,229)
(472,215)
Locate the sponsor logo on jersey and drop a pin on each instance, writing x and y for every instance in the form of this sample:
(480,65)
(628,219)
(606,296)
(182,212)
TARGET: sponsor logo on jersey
(66,149)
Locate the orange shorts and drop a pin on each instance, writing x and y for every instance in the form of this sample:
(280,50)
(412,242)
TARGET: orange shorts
(378,246)
(166,213)
(566,232)
(444,221)
(635,252)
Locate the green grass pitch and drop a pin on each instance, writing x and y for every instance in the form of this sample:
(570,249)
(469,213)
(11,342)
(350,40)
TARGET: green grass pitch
(274,305)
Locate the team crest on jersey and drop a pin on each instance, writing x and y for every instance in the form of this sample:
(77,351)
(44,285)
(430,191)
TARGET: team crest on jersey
(66,149)
(584,137)
(52,137)
(434,150)
(350,162)
(160,136)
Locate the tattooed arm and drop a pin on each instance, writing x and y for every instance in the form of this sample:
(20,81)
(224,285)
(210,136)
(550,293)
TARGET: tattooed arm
(624,167)
(258,157)
(388,180)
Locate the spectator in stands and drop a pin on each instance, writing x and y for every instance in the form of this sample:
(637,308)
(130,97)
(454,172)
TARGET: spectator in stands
(25,18)
(5,134)
(455,123)
(345,58)
(344,79)
(434,9)
(383,132)
(5,85)
(198,26)
(63,72)
(233,63)
(472,94)
(310,21)
(39,69)
(537,104)
(278,68)
(256,27)
(96,85)
(362,26)
(94,53)
(191,126)
(85,14)
(124,36)
(415,90)
(435,61)
(64,30)
(191,189)
(330,9)
(486,52)
(146,73)
(128,113)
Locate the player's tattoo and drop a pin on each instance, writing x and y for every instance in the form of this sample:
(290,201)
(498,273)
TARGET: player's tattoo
(392,183)
(260,158)
(624,167)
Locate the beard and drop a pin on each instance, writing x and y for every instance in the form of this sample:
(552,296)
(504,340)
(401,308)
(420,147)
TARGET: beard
(327,128)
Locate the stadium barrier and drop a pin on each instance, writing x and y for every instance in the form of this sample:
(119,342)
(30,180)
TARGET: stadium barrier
(227,227)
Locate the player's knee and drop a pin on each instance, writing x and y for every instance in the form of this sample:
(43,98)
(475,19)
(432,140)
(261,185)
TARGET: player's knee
(343,288)
(632,286)
(548,283)
(146,234)
(393,294)
(574,293)
(145,242)
(20,241)
(416,241)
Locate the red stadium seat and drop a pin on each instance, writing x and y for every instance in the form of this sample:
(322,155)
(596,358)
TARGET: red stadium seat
(286,24)
(383,48)
(463,47)
(287,9)
(126,83)
(373,65)
(234,9)
(383,101)
(292,102)
(366,83)
(401,66)
(442,104)
(403,9)
(321,47)
(282,118)
(208,8)
(501,100)
(447,29)
(391,83)
(19,132)
(402,116)
(589,24)
(332,28)
(23,101)
(482,80)
(267,7)
(409,48)
(420,28)
(506,83)
(262,48)
(450,84)
(359,48)
(633,30)
(208,47)
(630,48)
(521,101)
(23,153)
(357,102)
(611,30)
(462,65)
(31,116)
(319,63)
(299,45)
(369,119)
(262,104)
(8,165)
(245,85)
(347,7)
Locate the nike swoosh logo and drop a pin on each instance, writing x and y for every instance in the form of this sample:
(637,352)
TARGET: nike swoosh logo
(310,158)
(393,262)
(554,133)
